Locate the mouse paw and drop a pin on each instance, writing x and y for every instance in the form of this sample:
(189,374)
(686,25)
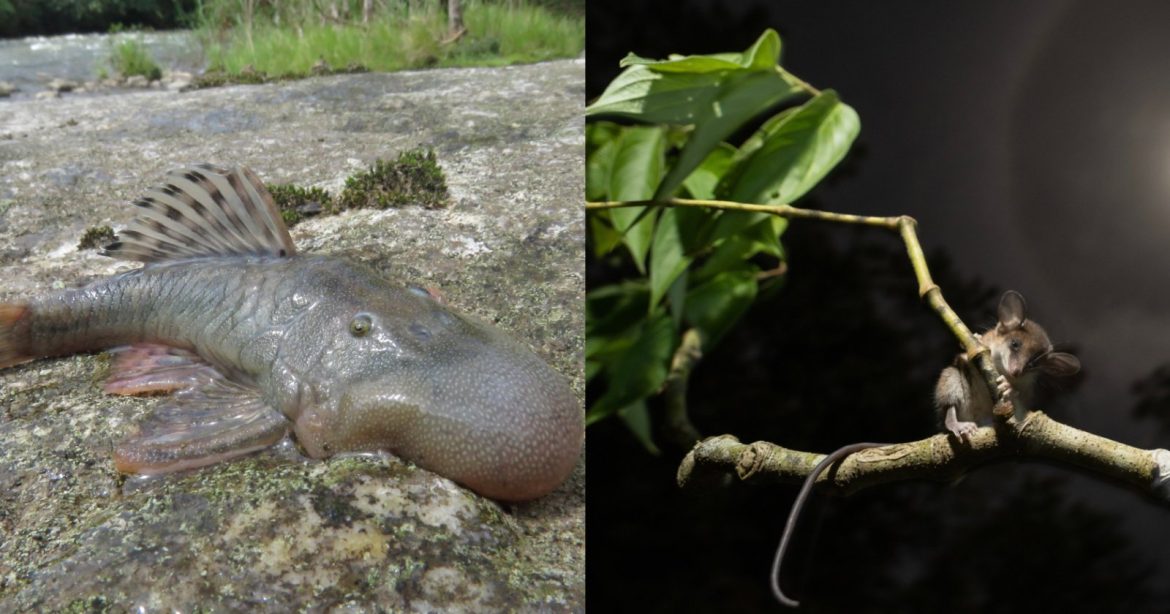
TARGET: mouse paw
(963,430)
(1002,386)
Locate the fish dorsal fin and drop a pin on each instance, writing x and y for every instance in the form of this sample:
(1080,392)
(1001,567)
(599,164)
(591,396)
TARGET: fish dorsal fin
(203,211)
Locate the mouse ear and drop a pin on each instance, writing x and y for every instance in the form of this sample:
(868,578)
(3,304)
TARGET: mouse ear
(1060,364)
(1011,310)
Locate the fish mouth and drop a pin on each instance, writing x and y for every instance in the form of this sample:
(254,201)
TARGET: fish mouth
(510,430)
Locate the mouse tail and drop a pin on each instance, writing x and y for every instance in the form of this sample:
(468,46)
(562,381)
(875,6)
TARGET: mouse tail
(794,514)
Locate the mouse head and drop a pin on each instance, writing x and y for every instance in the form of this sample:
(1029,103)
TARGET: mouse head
(1020,346)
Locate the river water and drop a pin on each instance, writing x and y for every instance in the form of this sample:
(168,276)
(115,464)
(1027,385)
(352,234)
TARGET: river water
(29,63)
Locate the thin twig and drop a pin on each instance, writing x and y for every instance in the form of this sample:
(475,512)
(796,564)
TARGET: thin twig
(680,429)
(904,225)
(776,271)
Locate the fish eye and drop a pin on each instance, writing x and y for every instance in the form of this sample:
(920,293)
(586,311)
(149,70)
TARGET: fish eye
(360,325)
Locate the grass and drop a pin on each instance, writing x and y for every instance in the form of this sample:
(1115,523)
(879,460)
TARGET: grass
(129,57)
(396,39)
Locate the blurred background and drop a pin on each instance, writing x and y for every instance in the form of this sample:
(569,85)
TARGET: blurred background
(54,47)
(1032,143)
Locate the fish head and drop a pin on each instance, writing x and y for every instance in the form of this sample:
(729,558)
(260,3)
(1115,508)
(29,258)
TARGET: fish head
(404,373)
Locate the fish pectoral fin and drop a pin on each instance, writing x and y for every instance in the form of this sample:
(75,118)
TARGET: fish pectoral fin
(205,210)
(201,425)
(149,368)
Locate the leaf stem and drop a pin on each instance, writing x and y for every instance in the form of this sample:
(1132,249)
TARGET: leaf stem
(801,83)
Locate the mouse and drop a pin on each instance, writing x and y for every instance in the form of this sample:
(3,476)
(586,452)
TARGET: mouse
(1020,352)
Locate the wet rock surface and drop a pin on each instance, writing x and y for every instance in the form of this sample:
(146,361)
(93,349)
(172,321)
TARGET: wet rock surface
(273,530)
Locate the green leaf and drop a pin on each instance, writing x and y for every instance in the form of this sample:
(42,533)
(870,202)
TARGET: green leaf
(735,223)
(686,64)
(702,181)
(592,368)
(763,54)
(717,93)
(797,152)
(677,295)
(639,371)
(636,170)
(739,98)
(731,223)
(636,416)
(597,134)
(637,163)
(657,98)
(605,238)
(695,225)
(668,258)
(614,309)
(714,307)
(680,90)
(733,252)
(603,145)
(756,140)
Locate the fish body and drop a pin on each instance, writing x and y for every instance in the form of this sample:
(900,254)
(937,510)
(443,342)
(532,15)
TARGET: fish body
(253,341)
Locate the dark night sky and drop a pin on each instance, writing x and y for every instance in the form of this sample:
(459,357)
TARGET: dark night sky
(1030,140)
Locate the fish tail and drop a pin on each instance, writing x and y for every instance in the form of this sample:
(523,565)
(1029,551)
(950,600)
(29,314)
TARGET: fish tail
(13,345)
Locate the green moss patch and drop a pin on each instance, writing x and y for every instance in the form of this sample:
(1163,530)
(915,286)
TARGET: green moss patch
(96,237)
(297,203)
(414,178)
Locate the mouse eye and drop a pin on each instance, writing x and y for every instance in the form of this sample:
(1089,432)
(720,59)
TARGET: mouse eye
(360,325)
(1015,345)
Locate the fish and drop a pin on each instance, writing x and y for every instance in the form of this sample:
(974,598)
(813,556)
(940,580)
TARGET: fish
(248,341)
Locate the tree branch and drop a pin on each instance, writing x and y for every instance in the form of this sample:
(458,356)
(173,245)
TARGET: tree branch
(935,458)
